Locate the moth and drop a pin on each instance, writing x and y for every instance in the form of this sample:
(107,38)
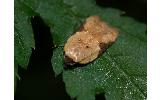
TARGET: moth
(90,41)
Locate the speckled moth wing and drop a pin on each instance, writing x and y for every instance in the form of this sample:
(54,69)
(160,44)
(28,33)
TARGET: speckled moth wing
(89,41)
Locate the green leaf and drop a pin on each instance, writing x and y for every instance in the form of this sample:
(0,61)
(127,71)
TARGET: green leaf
(120,72)
(23,37)
(23,34)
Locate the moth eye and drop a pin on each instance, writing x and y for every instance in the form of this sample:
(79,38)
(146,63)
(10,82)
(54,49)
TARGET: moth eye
(90,41)
(79,40)
(87,46)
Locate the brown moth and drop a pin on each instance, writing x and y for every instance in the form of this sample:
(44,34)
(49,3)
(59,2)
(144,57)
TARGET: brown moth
(89,42)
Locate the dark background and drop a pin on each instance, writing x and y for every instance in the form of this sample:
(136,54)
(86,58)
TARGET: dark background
(38,82)
(133,8)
